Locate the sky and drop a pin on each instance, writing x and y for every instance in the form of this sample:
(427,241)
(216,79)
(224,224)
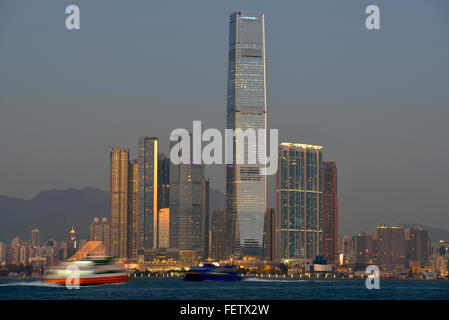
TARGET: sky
(376,100)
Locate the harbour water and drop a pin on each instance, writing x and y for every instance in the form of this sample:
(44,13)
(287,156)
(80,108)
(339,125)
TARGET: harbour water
(174,289)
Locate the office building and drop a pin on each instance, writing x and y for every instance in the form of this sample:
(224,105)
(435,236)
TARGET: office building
(246,109)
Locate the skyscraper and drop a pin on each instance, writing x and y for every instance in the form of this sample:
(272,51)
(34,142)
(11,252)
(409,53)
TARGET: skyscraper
(163,181)
(35,238)
(330,212)
(298,202)
(119,166)
(147,195)
(133,209)
(188,207)
(246,109)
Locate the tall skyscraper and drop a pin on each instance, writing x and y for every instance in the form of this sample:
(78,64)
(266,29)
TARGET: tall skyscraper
(163,181)
(35,238)
(147,195)
(133,209)
(298,202)
(330,212)
(246,109)
(188,207)
(119,170)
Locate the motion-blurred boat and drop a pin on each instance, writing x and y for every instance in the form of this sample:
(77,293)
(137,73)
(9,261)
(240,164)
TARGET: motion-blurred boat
(89,271)
(210,272)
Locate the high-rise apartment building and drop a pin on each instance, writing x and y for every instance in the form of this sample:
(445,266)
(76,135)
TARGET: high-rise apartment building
(133,188)
(246,109)
(330,212)
(119,170)
(147,194)
(298,202)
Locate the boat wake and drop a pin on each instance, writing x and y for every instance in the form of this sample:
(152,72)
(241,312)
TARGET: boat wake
(30,284)
(274,280)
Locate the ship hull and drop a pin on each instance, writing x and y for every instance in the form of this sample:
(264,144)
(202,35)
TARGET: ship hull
(86,281)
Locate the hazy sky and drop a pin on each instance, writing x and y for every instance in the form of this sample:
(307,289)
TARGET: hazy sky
(378,101)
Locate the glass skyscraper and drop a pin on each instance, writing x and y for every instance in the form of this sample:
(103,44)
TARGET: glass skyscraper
(299,230)
(246,108)
(188,207)
(147,210)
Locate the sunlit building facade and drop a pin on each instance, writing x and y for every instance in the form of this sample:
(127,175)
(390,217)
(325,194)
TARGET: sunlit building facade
(299,225)
(246,109)
(119,166)
(133,188)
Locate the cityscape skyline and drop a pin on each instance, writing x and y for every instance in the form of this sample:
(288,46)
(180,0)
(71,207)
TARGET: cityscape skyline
(350,209)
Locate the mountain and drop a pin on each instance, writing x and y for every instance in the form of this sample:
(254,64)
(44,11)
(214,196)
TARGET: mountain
(53,212)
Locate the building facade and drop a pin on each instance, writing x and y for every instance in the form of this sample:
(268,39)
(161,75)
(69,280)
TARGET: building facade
(147,194)
(188,208)
(133,188)
(299,233)
(330,212)
(119,170)
(246,109)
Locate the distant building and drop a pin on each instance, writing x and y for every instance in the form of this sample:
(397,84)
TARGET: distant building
(360,245)
(391,246)
(72,242)
(330,212)
(299,229)
(133,216)
(3,253)
(35,238)
(417,244)
(119,206)
(99,231)
(218,234)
